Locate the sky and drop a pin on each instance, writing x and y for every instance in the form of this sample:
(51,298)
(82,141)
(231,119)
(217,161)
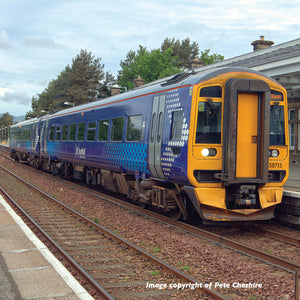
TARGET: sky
(39,38)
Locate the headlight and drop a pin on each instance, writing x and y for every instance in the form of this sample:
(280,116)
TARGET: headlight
(209,152)
(273,153)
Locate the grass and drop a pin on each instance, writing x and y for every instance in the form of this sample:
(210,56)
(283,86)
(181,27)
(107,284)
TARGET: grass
(156,249)
(154,273)
(186,268)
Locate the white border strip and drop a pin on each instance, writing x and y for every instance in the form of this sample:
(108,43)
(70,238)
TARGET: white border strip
(60,269)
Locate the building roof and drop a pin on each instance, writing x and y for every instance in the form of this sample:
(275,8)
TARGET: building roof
(282,62)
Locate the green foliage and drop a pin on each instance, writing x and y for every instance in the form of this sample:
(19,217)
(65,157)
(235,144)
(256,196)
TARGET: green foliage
(184,51)
(84,81)
(6,120)
(149,65)
(210,59)
(173,57)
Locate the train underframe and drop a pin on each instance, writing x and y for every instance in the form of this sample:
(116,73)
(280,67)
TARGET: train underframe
(239,202)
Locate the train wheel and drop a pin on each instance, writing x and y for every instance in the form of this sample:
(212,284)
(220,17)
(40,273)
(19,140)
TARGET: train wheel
(175,214)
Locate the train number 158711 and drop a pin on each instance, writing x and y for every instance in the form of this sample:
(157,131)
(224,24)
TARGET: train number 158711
(275,165)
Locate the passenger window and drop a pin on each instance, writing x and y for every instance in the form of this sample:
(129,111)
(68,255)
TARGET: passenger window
(177,122)
(117,129)
(81,132)
(51,134)
(91,133)
(211,91)
(103,130)
(72,133)
(134,128)
(64,136)
(58,133)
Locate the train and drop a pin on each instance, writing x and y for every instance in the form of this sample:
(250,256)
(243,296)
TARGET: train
(212,144)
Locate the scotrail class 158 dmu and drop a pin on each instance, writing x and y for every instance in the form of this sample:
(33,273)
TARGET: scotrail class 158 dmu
(213,142)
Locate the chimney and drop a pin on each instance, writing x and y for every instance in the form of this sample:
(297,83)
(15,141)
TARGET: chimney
(138,82)
(261,44)
(115,90)
(196,63)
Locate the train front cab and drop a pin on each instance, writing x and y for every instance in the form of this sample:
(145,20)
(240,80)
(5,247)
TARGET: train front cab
(239,159)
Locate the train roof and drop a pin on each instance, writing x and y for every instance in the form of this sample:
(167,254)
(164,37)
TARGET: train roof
(188,78)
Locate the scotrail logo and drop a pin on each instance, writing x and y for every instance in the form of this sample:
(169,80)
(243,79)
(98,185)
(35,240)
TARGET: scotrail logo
(80,152)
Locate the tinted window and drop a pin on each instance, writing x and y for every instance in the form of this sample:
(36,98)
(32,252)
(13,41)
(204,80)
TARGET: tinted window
(277,130)
(81,132)
(72,132)
(58,133)
(211,91)
(209,122)
(65,133)
(51,135)
(160,126)
(153,127)
(134,128)
(276,96)
(91,133)
(103,130)
(117,129)
(177,121)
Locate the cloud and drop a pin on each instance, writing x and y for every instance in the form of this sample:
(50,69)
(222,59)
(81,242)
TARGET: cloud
(6,95)
(5,42)
(39,42)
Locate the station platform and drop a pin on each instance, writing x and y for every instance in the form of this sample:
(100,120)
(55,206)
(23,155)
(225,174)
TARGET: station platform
(28,270)
(292,186)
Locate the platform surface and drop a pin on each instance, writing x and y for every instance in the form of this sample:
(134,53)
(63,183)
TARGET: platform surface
(28,270)
(292,186)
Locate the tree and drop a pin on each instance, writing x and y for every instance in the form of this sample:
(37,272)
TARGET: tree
(86,75)
(210,59)
(149,65)
(6,120)
(184,50)
(83,82)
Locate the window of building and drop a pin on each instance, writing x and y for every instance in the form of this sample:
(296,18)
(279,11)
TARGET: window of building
(72,133)
(64,136)
(134,128)
(292,119)
(177,122)
(81,132)
(91,131)
(117,126)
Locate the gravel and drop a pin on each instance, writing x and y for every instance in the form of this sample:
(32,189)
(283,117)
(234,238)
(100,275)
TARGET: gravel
(239,276)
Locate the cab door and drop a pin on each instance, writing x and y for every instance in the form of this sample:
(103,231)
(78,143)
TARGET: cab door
(246,131)
(247,135)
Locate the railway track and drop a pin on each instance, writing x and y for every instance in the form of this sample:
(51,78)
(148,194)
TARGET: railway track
(108,266)
(199,232)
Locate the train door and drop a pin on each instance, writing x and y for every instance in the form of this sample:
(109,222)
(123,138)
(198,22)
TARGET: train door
(155,137)
(247,121)
(246,131)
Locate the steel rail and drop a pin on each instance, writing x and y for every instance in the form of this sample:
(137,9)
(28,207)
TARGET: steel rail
(281,237)
(169,268)
(95,289)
